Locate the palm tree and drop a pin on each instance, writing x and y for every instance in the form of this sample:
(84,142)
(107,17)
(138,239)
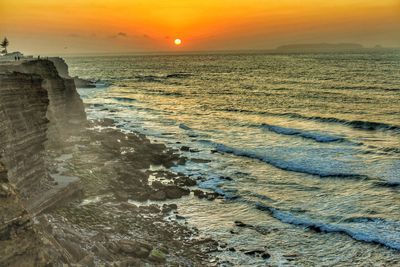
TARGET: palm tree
(4,44)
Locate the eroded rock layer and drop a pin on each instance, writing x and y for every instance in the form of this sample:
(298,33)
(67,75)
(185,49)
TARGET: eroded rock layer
(23,126)
(65,111)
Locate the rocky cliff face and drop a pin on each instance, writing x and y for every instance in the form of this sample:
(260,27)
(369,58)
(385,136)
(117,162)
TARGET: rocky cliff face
(38,109)
(21,244)
(65,111)
(23,130)
(61,66)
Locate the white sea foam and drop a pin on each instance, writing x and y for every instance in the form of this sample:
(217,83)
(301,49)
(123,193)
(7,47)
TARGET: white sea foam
(321,162)
(314,135)
(374,230)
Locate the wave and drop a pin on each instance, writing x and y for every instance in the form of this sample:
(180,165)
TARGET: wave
(215,184)
(326,167)
(395,150)
(389,184)
(149,78)
(184,127)
(102,84)
(372,230)
(124,99)
(356,124)
(178,75)
(362,87)
(314,135)
(161,78)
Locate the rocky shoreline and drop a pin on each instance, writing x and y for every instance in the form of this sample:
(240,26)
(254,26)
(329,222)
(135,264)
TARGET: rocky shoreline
(77,192)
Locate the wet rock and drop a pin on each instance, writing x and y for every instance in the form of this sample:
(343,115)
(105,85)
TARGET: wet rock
(258,253)
(265,255)
(241,224)
(174,192)
(100,237)
(179,217)
(205,195)
(223,245)
(141,196)
(195,160)
(227,178)
(121,195)
(291,255)
(184,181)
(181,161)
(87,261)
(105,122)
(130,262)
(168,208)
(6,190)
(315,228)
(206,240)
(139,249)
(212,196)
(157,255)
(158,196)
(74,249)
(198,193)
(154,209)
(233,231)
(157,185)
(185,148)
(102,252)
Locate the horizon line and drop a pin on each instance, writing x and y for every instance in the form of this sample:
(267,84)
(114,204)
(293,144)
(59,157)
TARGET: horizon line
(216,51)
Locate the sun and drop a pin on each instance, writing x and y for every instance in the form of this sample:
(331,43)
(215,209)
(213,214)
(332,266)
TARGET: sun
(178,42)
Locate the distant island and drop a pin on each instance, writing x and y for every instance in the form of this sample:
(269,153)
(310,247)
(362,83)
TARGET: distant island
(321,47)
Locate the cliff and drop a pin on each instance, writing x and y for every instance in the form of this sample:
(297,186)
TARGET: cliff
(65,111)
(23,130)
(39,110)
(62,69)
(21,244)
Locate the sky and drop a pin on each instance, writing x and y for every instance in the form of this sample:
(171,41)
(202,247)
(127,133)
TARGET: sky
(121,26)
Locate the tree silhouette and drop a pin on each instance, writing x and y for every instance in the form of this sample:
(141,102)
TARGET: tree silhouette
(4,44)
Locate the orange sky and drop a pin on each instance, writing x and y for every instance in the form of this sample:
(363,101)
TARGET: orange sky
(84,26)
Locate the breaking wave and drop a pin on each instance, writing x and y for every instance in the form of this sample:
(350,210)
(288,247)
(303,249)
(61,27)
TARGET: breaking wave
(314,135)
(373,230)
(325,167)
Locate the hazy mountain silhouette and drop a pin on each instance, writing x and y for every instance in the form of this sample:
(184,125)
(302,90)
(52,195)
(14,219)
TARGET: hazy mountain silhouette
(320,47)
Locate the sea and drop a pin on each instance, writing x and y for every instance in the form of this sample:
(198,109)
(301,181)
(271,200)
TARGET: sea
(304,149)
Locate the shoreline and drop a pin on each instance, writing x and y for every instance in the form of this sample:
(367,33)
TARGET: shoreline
(123,187)
(104,219)
(76,160)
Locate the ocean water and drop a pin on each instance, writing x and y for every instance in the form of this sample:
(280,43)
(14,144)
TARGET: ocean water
(305,148)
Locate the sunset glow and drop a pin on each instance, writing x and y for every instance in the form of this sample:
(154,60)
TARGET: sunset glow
(101,26)
(178,41)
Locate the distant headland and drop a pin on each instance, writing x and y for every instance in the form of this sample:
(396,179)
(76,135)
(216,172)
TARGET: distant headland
(320,47)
